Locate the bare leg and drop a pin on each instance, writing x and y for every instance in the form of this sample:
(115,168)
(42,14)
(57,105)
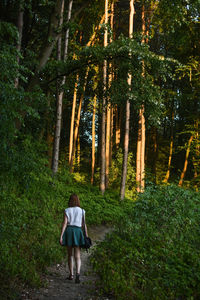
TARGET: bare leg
(70,261)
(77,255)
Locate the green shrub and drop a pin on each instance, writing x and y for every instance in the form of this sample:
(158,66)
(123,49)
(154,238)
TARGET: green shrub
(154,252)
(32,206)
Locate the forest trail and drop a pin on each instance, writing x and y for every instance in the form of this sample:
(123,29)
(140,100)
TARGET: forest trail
(59,288)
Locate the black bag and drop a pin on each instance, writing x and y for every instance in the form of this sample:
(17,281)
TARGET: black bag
(88,241)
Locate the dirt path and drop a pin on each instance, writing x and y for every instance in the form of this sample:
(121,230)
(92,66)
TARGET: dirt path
(59,288)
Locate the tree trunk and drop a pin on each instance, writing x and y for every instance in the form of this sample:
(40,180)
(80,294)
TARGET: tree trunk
(53,35)
(138,155)
(60,94)
(78,152)
(78,121)
(93,139)
(111,136)
(72,119)
(103,163)
(143,151)
(140,162)
(186,161)
(126,137)
(118,118)
(170,149)
(108,143)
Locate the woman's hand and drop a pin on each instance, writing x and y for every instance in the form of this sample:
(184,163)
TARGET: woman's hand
(61,241)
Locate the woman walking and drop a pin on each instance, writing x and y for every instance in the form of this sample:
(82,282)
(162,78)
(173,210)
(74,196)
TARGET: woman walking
(72,234)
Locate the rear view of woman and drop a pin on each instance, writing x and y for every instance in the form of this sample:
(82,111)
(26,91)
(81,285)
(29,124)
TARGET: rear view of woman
(72,234)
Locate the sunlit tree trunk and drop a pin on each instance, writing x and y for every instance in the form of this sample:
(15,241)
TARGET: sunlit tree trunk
(71,137)
(93,138)
(60,93)
(103,133)
(138,155)
(20,22)
(111,79)
(78,120)
(170,149)
(197,152)
(126,136)
(118,118)
(111,136)
(108,143)
(186,161)
(78,152)
(140,161)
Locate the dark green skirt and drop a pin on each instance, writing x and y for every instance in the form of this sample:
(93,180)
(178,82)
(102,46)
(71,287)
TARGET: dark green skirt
(73,236)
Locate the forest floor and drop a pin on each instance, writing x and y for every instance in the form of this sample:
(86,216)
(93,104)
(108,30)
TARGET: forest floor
(57,287)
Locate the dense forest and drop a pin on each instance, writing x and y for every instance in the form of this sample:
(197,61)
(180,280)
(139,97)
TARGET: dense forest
(101,98)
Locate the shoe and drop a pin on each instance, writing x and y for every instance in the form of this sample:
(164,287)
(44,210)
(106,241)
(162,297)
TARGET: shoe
(70,277)
(77,280)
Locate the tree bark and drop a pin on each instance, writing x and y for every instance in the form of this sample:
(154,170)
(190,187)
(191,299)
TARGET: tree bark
(170,149)
(108,144)
(78,121)
(186,161)
(93,139)
(118,118)
(78,151)
(53,35)
(138,155)
(60,94)
(140,163)
(72,119)
(126,137)
(103,164)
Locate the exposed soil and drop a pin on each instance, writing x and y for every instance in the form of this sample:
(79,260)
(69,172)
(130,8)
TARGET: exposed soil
(59,288)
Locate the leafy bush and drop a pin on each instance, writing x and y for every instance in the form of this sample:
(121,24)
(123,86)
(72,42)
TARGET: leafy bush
(154,252)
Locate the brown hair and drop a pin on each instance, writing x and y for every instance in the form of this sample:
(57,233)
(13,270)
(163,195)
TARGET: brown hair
(74,201)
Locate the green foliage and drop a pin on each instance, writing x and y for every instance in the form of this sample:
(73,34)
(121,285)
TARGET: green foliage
(154,252)
(115,174)
(32,206)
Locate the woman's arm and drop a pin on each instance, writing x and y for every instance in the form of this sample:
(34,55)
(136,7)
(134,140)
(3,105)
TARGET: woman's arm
(86,233)
(64,225)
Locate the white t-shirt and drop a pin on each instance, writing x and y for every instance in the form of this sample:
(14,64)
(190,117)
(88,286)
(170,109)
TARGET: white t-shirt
(74,216)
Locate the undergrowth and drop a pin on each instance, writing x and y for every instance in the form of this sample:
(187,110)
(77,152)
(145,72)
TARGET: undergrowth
(154,252)
(32,207)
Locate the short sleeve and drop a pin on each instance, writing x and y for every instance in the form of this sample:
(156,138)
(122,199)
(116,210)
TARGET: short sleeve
(66,213)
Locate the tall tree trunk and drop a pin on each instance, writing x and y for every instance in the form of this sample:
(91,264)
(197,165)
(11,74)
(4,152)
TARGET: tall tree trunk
(126,137)
(118,118)
(111,135)
(103,163)
(140,162)
(170,148)
(72,119)
(138,155)
(52,38)
(78,120)
(109,109)
(20,23)
(108,143)
(60,94)
(93,139)
(186,161)
(78,152)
